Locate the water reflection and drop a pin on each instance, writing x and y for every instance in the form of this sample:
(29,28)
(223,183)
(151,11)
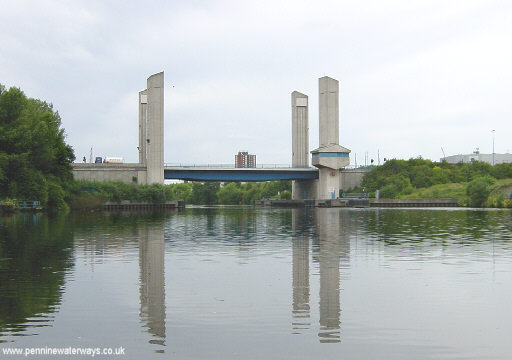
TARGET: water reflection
(300,265)
(330,231)
(35,256)
(230,282)
(331,247)
(152,283)
(105,236)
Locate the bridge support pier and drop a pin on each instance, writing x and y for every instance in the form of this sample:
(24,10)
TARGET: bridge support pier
(304,189)
(330,157)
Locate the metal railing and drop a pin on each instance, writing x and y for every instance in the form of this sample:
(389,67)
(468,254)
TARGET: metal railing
(232,166)
(258,166)
(23,204)
(354,196)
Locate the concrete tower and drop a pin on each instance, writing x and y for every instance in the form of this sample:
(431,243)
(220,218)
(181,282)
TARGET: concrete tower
(329,113)
(151,128)
(300,144)
(330,157)
(300,130)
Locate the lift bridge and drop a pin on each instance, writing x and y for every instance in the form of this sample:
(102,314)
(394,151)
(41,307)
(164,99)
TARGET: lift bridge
(223,172)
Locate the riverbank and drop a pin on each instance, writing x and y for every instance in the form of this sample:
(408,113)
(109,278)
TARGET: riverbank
(473,184)
(359,203)
(499,194)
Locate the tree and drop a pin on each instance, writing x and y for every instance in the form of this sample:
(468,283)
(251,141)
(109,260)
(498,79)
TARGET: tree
(478,190)
(204,194)
(33,153)
(230,194)
(397,185)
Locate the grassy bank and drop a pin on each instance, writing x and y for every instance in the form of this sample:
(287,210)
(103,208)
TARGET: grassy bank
(500,193)
(475,184)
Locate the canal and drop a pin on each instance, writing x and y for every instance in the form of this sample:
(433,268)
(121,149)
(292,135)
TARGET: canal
(259,283)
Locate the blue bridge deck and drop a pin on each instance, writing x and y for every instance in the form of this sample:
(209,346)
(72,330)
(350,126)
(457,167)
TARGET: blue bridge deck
(193,173)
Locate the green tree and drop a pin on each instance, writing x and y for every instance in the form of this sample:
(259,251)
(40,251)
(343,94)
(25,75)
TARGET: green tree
(33,153)
(204,193)
(397,185)
(478,190)
(230,194)
(182,191)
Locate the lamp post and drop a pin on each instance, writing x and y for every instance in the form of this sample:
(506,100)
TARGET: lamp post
(493,147)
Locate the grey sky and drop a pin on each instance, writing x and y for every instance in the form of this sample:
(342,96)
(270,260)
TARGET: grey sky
(415,76)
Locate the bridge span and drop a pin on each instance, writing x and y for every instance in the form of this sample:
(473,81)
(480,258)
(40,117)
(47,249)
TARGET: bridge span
(230,173)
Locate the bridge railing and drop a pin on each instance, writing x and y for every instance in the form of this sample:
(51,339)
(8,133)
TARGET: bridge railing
(230,166)
(258,166)
(354,195)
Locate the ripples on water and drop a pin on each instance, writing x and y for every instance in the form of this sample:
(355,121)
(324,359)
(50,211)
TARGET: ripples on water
(243,282)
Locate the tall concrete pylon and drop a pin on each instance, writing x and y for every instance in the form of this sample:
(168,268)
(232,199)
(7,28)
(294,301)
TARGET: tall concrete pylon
(301,189)
(300,130)
(151,129)
(329,113)
(330,157)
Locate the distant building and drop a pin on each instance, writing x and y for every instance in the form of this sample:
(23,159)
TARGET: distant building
(245,160)
(476,156)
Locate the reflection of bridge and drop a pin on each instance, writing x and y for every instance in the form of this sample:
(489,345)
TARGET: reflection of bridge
(222,172)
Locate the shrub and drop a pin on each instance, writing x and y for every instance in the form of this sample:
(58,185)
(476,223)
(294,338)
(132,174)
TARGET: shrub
(397,185)
(478,190)
(56,198)
(285,195)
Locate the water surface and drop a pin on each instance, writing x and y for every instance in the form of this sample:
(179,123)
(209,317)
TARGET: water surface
(261,283)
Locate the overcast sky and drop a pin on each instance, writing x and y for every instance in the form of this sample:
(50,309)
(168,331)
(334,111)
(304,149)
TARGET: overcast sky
(415,76)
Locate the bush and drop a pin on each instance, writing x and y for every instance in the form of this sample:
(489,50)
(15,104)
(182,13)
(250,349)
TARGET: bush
(285,195)
(397,185)
(56,198)
(478,190)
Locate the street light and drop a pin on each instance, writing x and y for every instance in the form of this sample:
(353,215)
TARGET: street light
(493,147)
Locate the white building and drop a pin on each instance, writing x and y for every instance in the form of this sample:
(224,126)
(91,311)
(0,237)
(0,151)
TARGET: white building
(477,156)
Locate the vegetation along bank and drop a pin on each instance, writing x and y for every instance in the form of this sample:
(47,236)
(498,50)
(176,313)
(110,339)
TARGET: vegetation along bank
(35,165)
(476,184)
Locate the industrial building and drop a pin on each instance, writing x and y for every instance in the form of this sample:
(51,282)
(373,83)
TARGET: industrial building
(477,156)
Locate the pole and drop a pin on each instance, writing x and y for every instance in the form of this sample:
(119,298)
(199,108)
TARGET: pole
(493,147)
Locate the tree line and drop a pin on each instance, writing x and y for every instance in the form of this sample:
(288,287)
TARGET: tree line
(398,178)
(35,161)
(87,194)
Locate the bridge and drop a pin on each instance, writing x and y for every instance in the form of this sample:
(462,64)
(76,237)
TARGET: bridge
(330,160)
(223,172)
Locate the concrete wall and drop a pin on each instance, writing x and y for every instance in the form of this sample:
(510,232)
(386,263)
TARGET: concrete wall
(110,172)
(328,183)
(350,179)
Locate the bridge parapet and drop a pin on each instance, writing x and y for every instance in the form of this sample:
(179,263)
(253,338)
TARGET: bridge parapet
(231,166)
